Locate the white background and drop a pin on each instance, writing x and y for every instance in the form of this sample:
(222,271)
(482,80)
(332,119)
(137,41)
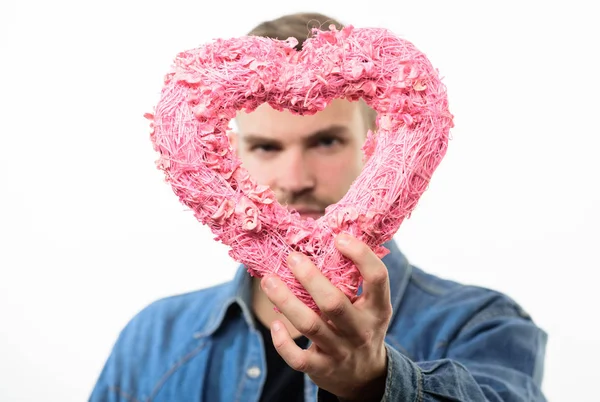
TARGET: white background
(90,234)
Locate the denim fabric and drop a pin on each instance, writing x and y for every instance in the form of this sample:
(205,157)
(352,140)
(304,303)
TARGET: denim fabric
(445,342)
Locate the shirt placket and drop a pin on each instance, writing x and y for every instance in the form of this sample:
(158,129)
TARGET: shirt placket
(253,373)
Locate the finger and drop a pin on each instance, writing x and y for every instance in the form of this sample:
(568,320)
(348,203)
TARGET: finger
(332,302)
(305,320)
(376,284)
(304,360)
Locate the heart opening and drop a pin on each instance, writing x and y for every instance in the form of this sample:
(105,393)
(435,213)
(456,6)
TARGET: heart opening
(309,161)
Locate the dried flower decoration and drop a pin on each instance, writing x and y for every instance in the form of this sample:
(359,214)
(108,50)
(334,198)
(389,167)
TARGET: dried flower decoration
(208,85)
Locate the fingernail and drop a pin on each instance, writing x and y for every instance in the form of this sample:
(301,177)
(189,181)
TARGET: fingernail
(295,259)
(276,326)
(270,283)
(343,240)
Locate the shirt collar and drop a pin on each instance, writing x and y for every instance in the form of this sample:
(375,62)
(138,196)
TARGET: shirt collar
(239,291)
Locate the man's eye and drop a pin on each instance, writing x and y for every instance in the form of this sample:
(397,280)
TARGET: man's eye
(328,142)
(264,148)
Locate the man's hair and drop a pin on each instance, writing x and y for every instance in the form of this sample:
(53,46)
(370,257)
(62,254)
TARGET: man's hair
(300,26)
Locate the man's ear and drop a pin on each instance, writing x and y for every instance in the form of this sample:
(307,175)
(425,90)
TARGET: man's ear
(233,140)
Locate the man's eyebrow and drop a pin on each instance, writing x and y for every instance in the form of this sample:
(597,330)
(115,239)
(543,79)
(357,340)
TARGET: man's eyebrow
(258,139)
(331,131)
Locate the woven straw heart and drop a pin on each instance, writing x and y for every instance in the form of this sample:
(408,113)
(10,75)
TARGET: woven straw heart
(208,85)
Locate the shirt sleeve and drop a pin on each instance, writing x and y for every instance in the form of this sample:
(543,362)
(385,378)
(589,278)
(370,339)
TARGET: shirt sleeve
(498,356)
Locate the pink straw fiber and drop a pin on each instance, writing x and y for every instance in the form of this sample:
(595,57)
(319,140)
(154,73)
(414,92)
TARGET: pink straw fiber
(208,85)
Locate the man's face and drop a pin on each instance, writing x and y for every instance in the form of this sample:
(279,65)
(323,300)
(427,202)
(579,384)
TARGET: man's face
(308,161)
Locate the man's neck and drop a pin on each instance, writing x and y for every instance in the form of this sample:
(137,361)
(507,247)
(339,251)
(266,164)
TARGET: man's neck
(264,310)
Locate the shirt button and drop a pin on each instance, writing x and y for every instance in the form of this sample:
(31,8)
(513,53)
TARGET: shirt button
(253,372)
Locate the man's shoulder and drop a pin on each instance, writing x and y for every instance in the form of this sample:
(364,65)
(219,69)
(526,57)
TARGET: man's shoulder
(171,322)
(181,313)
(157,339)
(450,308)
(439,291)
(417,293)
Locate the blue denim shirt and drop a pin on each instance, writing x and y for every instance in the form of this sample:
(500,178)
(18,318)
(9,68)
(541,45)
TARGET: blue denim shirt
(445,342)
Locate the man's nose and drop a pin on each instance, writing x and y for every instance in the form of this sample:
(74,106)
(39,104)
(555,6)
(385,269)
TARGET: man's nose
(296,175)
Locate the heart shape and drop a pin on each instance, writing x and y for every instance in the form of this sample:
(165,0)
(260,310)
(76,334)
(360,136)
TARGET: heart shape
(208,85)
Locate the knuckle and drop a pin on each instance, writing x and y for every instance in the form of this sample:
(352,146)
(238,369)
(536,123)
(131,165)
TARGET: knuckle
(312,328)
(379,277)
(366,336)
(285,301)
(280,344)
(299,363)
(362,251)
(365,340)
(334,307)
(342,355)
(384,315)
(307,273)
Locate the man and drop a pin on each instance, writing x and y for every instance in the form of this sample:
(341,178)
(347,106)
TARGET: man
(409,337)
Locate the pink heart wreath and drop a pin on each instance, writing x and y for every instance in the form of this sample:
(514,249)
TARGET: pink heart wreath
(208,85)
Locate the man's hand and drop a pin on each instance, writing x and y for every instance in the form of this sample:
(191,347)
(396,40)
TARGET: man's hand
(348,356)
